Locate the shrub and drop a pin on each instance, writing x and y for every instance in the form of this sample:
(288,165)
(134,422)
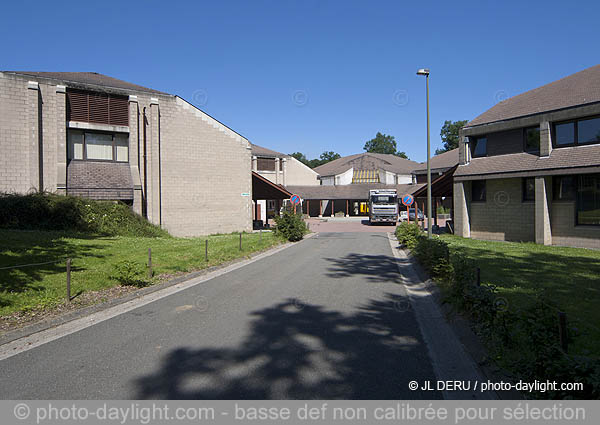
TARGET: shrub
(129,273)
(407,234)
(47,211)
(290,226)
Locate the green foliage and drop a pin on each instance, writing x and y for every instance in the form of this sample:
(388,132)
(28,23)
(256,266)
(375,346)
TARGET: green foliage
(129,273)
(324,158)
(47,211)
(290,226)
(449,135)
(524,341)
(407,234)
(383,143)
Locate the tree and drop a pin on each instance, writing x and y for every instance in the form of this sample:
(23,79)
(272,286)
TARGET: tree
(300,157)
(325,157)
(383,143)
(449,135)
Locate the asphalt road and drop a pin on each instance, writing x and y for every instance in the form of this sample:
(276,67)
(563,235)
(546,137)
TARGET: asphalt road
(325,318)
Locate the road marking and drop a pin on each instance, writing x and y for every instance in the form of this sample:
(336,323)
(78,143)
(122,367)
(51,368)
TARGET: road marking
(40,338)
(449,359)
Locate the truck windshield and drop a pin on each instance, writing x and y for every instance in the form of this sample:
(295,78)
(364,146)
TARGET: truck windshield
(383,199)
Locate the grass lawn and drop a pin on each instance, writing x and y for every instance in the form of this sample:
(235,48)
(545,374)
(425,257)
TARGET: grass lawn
(94,259)
(569,277)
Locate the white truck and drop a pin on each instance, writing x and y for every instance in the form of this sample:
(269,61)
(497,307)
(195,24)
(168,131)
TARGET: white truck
(383,206)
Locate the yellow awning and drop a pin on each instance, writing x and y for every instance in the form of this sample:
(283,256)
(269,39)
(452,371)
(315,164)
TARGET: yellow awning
(365,176)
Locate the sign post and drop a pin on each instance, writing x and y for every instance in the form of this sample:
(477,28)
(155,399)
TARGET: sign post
(408,201)
(295,200)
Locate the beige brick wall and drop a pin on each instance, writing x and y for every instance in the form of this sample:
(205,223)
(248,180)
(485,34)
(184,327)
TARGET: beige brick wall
(503,216)
(197,168)
(564,231)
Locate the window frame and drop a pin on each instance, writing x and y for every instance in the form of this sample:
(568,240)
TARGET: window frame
(84,149)
(525,139)
(555,185)
(479,201)
(575,123)
(524,199)
(474,147)
(576,200)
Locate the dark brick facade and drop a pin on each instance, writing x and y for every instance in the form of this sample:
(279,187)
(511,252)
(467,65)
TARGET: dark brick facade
(100,180)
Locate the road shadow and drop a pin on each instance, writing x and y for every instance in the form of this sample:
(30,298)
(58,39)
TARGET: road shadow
(303,351)
(376,268)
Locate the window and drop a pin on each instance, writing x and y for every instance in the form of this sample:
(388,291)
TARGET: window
(588,199)
(97,146)
(528,189)
(479,147)
(478,191)
(588,131)
(265,164)
(532,139)
(580,132)
(563,188)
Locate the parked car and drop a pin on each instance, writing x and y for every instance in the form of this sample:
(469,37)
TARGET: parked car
(411,214)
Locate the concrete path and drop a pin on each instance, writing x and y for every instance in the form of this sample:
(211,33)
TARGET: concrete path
(326,318)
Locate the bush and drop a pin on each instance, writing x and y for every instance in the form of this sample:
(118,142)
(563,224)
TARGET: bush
(290,226)
(408,233)
(47,211)
(129,273)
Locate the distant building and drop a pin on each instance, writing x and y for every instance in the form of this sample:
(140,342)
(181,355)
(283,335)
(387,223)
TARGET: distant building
(530,166)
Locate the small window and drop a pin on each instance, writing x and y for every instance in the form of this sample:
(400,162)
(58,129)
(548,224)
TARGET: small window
(265,164)
(99,146)
(564,134)
(588,199)
(588,131)
(478,191)
(479,147)
(529,189)
(563,188)
(122,147)
(532,139)
(75,145)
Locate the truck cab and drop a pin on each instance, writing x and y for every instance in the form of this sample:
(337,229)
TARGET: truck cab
(383,206)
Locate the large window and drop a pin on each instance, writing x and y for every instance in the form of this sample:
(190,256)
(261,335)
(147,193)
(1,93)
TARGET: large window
(580,132)
(563,188)
(479,147)
(478,191)
(532,139)
(529,189)
(588,199)
(97,146)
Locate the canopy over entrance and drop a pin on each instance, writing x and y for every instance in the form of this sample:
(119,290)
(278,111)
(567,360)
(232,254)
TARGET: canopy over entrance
(263,188)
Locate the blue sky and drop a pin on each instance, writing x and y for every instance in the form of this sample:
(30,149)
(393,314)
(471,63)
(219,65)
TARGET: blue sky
(313,75)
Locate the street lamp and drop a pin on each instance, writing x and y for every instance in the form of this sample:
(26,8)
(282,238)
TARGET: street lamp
(425,72)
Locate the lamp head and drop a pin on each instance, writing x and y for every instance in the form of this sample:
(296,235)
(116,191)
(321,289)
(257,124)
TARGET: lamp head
(423,71)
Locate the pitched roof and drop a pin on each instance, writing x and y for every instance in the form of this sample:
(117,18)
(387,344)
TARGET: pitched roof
(442,161)
(87,78)
(260,151)
(367,161)
(559,159)
(349,191)
(577,89)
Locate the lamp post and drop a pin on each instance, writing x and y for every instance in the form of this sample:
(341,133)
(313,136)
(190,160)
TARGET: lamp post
(425,72)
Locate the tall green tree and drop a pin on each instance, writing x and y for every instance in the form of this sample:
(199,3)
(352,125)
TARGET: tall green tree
(383,143)
(449,135)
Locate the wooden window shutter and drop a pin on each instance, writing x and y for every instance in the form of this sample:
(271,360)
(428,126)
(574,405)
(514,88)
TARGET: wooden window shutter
(97,108)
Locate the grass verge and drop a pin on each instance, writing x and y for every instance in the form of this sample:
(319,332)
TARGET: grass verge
(568,277)
(95,259)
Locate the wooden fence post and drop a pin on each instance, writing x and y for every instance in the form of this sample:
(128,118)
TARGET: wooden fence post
(68,280)
(240,241)
(149,263)
(260,237)
(478,276)
(562,331)
(206,249)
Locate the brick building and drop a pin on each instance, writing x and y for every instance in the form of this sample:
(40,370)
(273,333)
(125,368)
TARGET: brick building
(529,168)
(91,135)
